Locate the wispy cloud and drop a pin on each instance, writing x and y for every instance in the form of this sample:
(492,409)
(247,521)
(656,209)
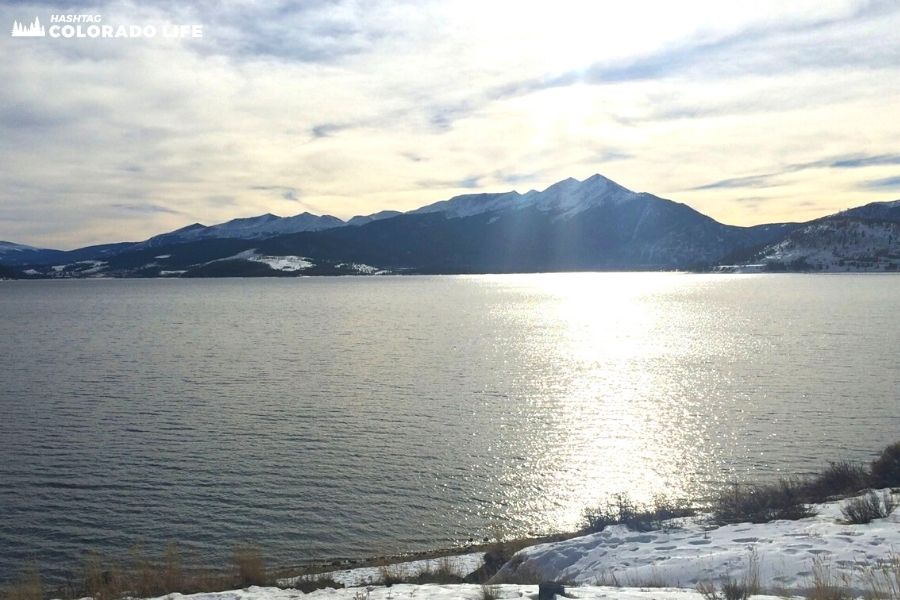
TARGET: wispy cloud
(866,161)
(750,181)
(770,179)
(887,183)
(145,208)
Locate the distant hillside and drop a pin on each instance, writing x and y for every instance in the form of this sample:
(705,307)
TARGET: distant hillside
(837,244)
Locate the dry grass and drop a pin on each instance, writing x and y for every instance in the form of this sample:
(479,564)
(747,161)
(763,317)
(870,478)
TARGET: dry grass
(882,581)
(250,568)
(826,585)
(440,571)
(28,587)
(490,592)
(734,589)
(137,575)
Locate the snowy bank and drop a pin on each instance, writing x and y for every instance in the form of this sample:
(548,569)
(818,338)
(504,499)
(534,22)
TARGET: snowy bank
(783,551)
(668,564)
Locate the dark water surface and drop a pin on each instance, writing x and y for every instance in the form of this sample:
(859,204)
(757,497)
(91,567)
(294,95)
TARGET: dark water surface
(345,417)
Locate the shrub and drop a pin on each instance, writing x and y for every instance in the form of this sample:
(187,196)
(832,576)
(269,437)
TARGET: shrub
(311,584)
(838,478)
(864,509)
(735,590)
(388,576)
(623,511)
(761,503)
(885,471)
(490,592)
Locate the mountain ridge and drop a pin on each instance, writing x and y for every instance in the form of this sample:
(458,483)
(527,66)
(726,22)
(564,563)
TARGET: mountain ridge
(594,224)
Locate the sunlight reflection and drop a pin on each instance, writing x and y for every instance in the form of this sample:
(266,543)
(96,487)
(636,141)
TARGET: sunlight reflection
(620,423)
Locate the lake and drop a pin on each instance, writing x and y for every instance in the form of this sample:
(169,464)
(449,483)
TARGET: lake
(348,417)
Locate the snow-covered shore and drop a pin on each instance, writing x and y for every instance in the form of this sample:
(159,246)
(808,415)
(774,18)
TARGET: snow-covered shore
(781,554)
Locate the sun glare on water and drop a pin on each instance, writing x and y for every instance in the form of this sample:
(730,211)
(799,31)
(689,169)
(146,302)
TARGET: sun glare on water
(624,423)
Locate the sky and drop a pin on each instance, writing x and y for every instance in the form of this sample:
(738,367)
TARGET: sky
(750,112)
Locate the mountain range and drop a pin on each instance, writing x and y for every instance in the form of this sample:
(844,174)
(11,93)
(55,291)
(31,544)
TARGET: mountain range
(573,225)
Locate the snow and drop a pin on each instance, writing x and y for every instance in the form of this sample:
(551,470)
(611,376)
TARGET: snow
(472,204)
(284,263)
(31,272)
(694,553)
(361,268)
(461,564)
(449,592)
(567,198)
(279,263)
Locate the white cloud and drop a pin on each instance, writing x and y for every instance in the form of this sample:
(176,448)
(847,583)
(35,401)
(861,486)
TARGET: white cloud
(362,106)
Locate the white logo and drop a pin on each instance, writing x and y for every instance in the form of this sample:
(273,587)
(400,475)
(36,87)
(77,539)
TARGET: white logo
(34,30)
(92,26)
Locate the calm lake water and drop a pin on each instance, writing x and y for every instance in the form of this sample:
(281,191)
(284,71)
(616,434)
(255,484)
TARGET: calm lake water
(347,417)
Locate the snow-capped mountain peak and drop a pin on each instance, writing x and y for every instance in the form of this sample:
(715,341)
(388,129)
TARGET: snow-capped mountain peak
(567,197)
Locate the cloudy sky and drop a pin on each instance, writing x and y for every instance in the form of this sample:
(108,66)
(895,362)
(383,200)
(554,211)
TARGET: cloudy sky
(748,111)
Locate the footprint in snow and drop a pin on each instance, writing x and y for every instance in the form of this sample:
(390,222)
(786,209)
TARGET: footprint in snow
(745,540)
(641,539)
(699,542)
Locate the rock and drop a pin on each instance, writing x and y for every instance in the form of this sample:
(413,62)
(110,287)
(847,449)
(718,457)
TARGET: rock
(548,590)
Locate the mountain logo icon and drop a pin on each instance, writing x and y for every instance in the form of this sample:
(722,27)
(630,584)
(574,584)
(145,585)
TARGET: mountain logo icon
(33,30)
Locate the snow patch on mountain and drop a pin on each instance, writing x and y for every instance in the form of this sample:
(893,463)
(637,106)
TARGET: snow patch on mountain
(361,268)
(288,264)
